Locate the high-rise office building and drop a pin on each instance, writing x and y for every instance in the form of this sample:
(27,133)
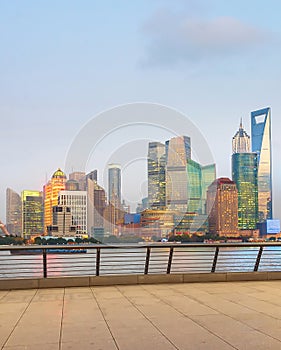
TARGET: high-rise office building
(13,212)
(93,175)
(62,222)
(186,180)
(178,151)
(72,185)
(156,164)
(261,144)
(51,192)
(76,201)
(222,204)
(77,175)
(208,176)
(32,213)
(241,141)
(244,174)
(114,184)
(96,203)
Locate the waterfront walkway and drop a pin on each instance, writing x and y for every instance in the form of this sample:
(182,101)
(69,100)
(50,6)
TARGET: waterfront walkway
(216,316)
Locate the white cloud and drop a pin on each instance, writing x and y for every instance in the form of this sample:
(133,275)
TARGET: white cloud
(174,38)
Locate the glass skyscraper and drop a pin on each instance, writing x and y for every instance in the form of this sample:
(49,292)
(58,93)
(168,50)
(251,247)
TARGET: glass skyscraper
(32,213)
(186,180)
(245,175)
(261,144)
(178,152)
(156,164)
(114,184)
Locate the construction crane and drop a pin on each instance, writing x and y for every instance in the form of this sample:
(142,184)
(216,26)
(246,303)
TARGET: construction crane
(4,228)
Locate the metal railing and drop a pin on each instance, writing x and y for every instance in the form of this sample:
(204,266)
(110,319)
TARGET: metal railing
(165,258)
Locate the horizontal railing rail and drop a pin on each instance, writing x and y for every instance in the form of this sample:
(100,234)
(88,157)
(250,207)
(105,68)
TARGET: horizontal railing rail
(165,258)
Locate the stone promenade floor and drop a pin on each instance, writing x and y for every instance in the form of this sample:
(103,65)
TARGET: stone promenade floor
(239,315)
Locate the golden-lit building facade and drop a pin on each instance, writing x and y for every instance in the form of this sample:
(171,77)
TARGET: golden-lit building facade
(51,193)
(222,204)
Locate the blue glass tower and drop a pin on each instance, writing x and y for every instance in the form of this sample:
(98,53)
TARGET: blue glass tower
(261,144)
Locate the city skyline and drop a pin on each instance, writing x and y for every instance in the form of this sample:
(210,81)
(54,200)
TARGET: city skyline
(55,78)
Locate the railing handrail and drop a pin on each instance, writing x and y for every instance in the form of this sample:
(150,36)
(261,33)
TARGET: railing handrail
(140,246)
(147,256)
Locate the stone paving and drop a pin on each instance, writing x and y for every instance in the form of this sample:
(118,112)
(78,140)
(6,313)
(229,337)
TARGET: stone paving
(216,316)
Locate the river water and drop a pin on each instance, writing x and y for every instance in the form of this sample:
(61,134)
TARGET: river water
(132,261)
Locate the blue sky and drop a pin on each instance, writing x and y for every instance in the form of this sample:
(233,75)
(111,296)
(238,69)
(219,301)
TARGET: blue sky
(62,62)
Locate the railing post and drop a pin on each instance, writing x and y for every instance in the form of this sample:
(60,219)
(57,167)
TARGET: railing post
(215,259)
(45,272)
(258,259)
(147,260)
(170,260)
(98,262)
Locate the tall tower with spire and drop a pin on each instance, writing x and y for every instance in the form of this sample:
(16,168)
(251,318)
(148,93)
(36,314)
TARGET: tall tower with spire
(244,174)
(241,141)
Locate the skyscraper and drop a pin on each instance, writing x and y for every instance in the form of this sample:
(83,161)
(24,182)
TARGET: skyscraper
(222,204)
(114,184)
(96,199)
(178,151)
(245,175)
(76,201)
(13,212)
(241,141)
(261,144)
(51,192)
(32,213)
(186,180)
(156,164)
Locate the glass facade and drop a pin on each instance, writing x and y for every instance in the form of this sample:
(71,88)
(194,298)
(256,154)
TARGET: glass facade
(208,177)
(194,187)
(245,175)
(187,181)
(51,193)
(32,213)
(261,144)
(76,201)
(114,184)
(178,152)
(156,164)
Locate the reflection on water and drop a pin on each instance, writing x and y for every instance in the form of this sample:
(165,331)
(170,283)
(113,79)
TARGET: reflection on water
(132,261)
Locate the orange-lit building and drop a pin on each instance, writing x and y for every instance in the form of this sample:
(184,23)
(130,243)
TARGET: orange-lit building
(51,192)
(222,204)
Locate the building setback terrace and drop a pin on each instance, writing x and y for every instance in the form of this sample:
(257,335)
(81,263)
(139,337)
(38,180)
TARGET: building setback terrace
(220,316)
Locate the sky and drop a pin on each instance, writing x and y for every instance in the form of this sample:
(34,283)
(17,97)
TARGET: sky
(64,62)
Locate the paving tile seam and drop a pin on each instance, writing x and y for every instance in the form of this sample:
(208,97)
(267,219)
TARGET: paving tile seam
(192,320)
(62,314)
(143,314)
(263,300)
(5,294)
(235,319)
(20,318)
(103,316)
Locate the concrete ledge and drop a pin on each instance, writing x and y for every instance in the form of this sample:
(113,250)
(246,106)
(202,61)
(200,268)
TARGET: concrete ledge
(59,282)
(20,283)
(246,276)
(85,281)
(204,277)
(113,280)
(274,275)
(159,278)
